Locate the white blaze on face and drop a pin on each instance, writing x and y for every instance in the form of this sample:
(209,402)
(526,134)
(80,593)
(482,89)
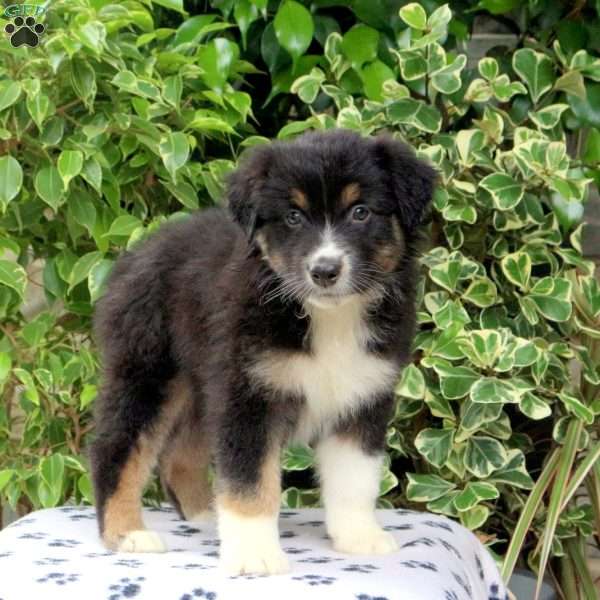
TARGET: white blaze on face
(331,249)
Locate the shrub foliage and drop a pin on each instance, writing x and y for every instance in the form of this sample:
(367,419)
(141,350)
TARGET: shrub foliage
(131,114)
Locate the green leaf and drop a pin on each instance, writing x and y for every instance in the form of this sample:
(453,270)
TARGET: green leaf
(455,382)
(70,163)
(549,116)
(473,493)
(506,192)
(414,16)
(10,92)
(517,268)
(424,488)
(435,445)
(415,113)
(82,267)
(492,389)
(514,472)
(184,192)
(447,79)
(482,292)
(534,407)
(552,298)
(174,150)
(475,415)
(413,64)
(124,225)
(13,275)
(52,474)
(298,458)
(475,517)
(97,278)
(577,407)
(294,28)
(244,13)
(359,44)
(176,5)
(535,69)
(412,383)
(11,180)
(26,379)
(488,68)
(49,187)
(216,59)
(484,456)
(446,274)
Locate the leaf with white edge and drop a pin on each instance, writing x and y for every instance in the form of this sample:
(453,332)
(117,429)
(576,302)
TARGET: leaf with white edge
(124,225)
(184,192)
(479,90)
(482,292)
(475,415)
(424,488)
(11,180)
(414,16)
(475,517)
(49,187)
(174,150)
(97,278)
(549,116)
(517,268)
(307,87)
(447,79)
(294,28)
(505,191)
(514,472)
(13,275)
(492,390)
(577,407)
(484,455)
(446,274)
(488,68)
(416,113)
(467,142)
(473,493)
(483,347)
(525,354)
(552,298)
(536,70)
(446,344)
(70,163)
(412,383)
(455,381)
(31,392)
(534,407)
(10,92)
(435,445)
(298,458)
(413,64)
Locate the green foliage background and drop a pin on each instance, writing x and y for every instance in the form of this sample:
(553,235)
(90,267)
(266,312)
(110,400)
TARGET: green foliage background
(130,114)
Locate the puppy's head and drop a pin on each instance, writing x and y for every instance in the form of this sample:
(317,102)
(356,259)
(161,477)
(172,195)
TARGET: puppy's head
(331,212)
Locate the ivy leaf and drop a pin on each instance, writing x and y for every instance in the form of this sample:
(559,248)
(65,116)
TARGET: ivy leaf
(13,275)
(455,381)
(174,150)
(10,92)
(447,79)
(473,493)
(82,267)
(11,180)
(493,390)
(424,488)
(536,70)
(513,472)
(412,383)
(294,28)
(534,407)
(298,458)
(482,292)
(517,268)
(552,298)
(415,113)
(549,116)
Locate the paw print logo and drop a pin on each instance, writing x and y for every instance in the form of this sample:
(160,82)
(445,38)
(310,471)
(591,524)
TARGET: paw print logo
(24,32)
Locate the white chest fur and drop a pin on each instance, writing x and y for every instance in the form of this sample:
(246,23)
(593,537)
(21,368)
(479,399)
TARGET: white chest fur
(337,376)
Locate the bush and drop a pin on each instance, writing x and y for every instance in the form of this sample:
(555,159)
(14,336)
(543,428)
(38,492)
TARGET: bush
(124,122)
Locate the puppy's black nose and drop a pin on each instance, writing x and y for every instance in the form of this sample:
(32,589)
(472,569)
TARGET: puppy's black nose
(326,271)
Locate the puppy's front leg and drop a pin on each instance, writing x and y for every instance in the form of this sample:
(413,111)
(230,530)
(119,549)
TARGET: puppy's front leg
(248,498)
(350,470)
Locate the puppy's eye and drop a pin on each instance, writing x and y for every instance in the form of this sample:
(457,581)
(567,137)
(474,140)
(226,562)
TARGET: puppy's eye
(293,218)
(360,213)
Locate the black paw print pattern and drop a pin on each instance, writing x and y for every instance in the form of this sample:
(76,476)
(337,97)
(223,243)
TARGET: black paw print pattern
(360,568)
(126,588)
(367,597)
(59,578)
(315,579)
(24,32)
(199,593)
(185,531)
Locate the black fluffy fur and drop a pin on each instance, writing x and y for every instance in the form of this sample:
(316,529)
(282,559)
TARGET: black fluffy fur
(193,300)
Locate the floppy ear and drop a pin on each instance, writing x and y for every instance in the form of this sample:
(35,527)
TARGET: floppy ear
(411,180)
(243,184)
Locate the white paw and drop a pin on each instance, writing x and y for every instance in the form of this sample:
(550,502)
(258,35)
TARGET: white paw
(206,516)
(269,560)
(142,540)
(372,541)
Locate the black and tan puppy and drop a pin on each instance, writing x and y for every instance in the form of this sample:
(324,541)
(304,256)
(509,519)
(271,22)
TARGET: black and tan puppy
(230,334)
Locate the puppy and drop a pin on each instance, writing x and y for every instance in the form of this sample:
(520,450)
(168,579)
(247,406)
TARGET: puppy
(232,333)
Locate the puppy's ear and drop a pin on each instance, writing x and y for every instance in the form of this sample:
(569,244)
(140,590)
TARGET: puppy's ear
(243,185)
(411,181)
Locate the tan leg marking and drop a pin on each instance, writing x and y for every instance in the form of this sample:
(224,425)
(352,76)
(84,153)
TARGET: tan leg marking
(122,512)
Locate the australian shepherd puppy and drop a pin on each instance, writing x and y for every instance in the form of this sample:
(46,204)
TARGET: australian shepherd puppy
(285,318)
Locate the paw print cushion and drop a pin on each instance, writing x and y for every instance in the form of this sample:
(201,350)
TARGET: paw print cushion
(56,554)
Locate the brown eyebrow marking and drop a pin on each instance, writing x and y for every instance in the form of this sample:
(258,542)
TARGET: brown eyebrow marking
(350,194)
(299,198)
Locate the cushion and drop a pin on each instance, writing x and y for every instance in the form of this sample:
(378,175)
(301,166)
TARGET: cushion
(57,554)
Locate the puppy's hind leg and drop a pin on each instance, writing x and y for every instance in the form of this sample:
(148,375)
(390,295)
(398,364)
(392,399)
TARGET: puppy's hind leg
(129,437)
(184,464)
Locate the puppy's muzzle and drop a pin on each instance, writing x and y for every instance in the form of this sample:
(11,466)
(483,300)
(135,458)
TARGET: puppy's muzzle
(326,271)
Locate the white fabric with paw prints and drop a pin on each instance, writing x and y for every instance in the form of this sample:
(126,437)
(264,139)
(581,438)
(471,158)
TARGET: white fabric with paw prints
(56,554)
